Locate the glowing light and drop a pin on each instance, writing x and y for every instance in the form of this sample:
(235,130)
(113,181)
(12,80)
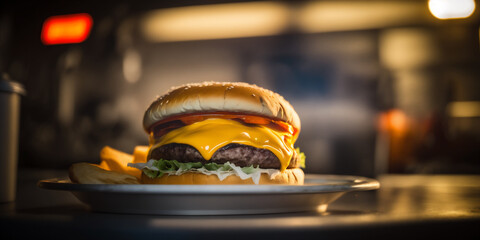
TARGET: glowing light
(65,29)
(398,120)
(394,120)
(450,9)
(322,208)
(216,21)
(327,16)
(406,48)
(464,109)
(132,66)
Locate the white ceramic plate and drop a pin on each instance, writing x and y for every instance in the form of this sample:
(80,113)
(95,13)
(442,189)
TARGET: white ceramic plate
(315,195)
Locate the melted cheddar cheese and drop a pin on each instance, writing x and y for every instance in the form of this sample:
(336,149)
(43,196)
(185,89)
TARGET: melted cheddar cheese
(209,135)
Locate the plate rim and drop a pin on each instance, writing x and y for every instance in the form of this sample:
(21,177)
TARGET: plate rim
(357,183)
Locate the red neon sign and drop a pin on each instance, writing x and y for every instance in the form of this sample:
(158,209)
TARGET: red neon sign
(64,29)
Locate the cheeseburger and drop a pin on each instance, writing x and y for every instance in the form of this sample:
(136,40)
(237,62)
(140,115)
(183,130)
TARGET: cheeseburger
(221,133)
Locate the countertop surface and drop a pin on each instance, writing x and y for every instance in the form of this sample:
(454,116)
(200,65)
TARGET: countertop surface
(406,206)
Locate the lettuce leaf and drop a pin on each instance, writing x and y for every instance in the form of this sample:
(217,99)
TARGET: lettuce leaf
(157,168)
(301,157)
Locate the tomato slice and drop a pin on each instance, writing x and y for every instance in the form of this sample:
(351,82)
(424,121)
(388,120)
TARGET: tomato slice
(170,123)
(162,129)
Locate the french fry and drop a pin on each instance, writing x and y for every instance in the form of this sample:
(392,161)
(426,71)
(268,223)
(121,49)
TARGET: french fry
(140,154)
(115,160)
(86,173)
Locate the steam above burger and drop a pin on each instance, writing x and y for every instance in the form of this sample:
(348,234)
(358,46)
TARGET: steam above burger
(222,133)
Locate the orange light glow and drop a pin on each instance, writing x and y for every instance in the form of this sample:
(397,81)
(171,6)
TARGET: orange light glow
(64,29)
(394,120)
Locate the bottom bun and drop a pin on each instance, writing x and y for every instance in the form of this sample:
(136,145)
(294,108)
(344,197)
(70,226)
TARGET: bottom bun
(290,176)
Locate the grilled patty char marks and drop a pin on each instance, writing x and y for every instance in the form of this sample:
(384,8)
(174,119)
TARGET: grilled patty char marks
(238,154)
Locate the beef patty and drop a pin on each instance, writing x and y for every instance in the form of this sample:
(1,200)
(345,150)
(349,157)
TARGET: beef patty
(238,154)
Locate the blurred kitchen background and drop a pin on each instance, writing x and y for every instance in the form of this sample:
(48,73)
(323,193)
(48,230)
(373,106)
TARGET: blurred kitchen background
(380,86)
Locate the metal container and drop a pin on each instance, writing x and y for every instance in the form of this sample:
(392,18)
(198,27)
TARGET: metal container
(10,93)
